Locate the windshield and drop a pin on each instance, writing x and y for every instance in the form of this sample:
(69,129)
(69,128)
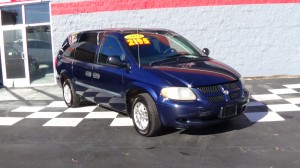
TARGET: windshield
(149,48)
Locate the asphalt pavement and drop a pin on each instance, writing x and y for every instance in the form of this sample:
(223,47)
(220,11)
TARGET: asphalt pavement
(37,130)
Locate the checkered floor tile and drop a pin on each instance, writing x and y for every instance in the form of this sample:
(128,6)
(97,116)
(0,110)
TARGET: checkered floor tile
(263,116)
(261,108)
(285,99)
(63,122)
(59,115)
(7,121)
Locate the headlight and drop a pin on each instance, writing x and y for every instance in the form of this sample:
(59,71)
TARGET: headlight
(178,93)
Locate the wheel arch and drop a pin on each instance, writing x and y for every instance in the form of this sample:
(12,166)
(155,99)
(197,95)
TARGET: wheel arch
(135,90)
(63,77)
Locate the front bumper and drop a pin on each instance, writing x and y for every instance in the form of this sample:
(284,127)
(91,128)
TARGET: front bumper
(193,114)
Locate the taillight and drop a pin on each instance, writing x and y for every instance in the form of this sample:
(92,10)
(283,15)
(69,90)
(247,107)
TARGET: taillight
(56,62)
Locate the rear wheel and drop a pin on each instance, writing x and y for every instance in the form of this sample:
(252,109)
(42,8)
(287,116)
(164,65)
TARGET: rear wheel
(70,97)
(145,116)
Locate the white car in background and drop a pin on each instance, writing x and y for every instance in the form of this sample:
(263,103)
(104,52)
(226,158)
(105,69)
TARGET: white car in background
(42,50)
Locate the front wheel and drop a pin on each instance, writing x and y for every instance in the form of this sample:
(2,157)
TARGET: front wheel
(145,116)
(70,97)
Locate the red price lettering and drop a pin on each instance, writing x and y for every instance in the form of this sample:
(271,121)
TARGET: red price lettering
(138,41)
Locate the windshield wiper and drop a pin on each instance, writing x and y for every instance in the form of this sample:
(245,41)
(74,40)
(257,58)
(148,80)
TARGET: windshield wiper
(170,58)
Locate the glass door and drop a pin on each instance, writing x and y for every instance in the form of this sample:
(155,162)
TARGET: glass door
(39,48)
(14,57)
(25,45)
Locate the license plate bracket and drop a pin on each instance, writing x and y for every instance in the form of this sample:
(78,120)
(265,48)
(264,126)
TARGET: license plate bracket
(228,111)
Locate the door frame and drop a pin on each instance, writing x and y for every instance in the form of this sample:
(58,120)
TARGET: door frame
(15,82)
(27,81)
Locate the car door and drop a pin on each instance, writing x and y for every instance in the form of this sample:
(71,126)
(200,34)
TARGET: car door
(107,78)
(83,65)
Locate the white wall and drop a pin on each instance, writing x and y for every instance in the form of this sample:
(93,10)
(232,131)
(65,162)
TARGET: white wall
(257,40)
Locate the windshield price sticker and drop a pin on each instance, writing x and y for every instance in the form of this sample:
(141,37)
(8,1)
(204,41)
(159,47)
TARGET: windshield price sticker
(136,39)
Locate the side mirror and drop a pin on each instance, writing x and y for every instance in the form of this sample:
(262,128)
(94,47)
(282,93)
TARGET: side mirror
(116,60)
(206,51)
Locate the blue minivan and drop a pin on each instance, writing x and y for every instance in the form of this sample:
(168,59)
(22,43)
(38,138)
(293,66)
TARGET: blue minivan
(155,76)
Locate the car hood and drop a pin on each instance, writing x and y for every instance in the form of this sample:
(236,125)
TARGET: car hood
(196,73)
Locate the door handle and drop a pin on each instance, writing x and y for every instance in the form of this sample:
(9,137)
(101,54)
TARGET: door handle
(22,55)
(88,73)
(96,75)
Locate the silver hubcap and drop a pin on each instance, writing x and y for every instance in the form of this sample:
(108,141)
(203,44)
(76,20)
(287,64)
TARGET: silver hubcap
(140,116)
(67,94)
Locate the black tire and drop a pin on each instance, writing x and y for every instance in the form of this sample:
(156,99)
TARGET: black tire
(153,126)
(70,97)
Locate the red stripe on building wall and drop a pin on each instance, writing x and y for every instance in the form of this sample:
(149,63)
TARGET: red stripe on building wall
(117,5)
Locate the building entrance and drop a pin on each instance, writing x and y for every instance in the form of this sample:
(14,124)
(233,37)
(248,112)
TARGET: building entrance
(25,42)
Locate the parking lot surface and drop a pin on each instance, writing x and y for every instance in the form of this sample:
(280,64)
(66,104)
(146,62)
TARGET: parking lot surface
(38,130)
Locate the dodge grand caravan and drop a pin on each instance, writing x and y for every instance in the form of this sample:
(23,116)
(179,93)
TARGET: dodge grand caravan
(155,76)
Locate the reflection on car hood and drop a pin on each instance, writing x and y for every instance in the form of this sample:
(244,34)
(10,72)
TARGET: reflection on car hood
(197,73)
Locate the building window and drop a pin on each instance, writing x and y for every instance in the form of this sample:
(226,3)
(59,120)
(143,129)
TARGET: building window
(37,13)
(26,28)
(11,15)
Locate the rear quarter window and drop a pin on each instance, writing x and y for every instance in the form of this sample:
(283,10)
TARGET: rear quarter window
(88,37)
(86,52)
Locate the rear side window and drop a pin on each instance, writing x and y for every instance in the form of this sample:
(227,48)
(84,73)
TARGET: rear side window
(71,39)
(85,47)
(88,37)
(67,50)
(86,52)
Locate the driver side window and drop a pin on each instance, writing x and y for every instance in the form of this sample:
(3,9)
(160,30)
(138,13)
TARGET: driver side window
(111,47)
